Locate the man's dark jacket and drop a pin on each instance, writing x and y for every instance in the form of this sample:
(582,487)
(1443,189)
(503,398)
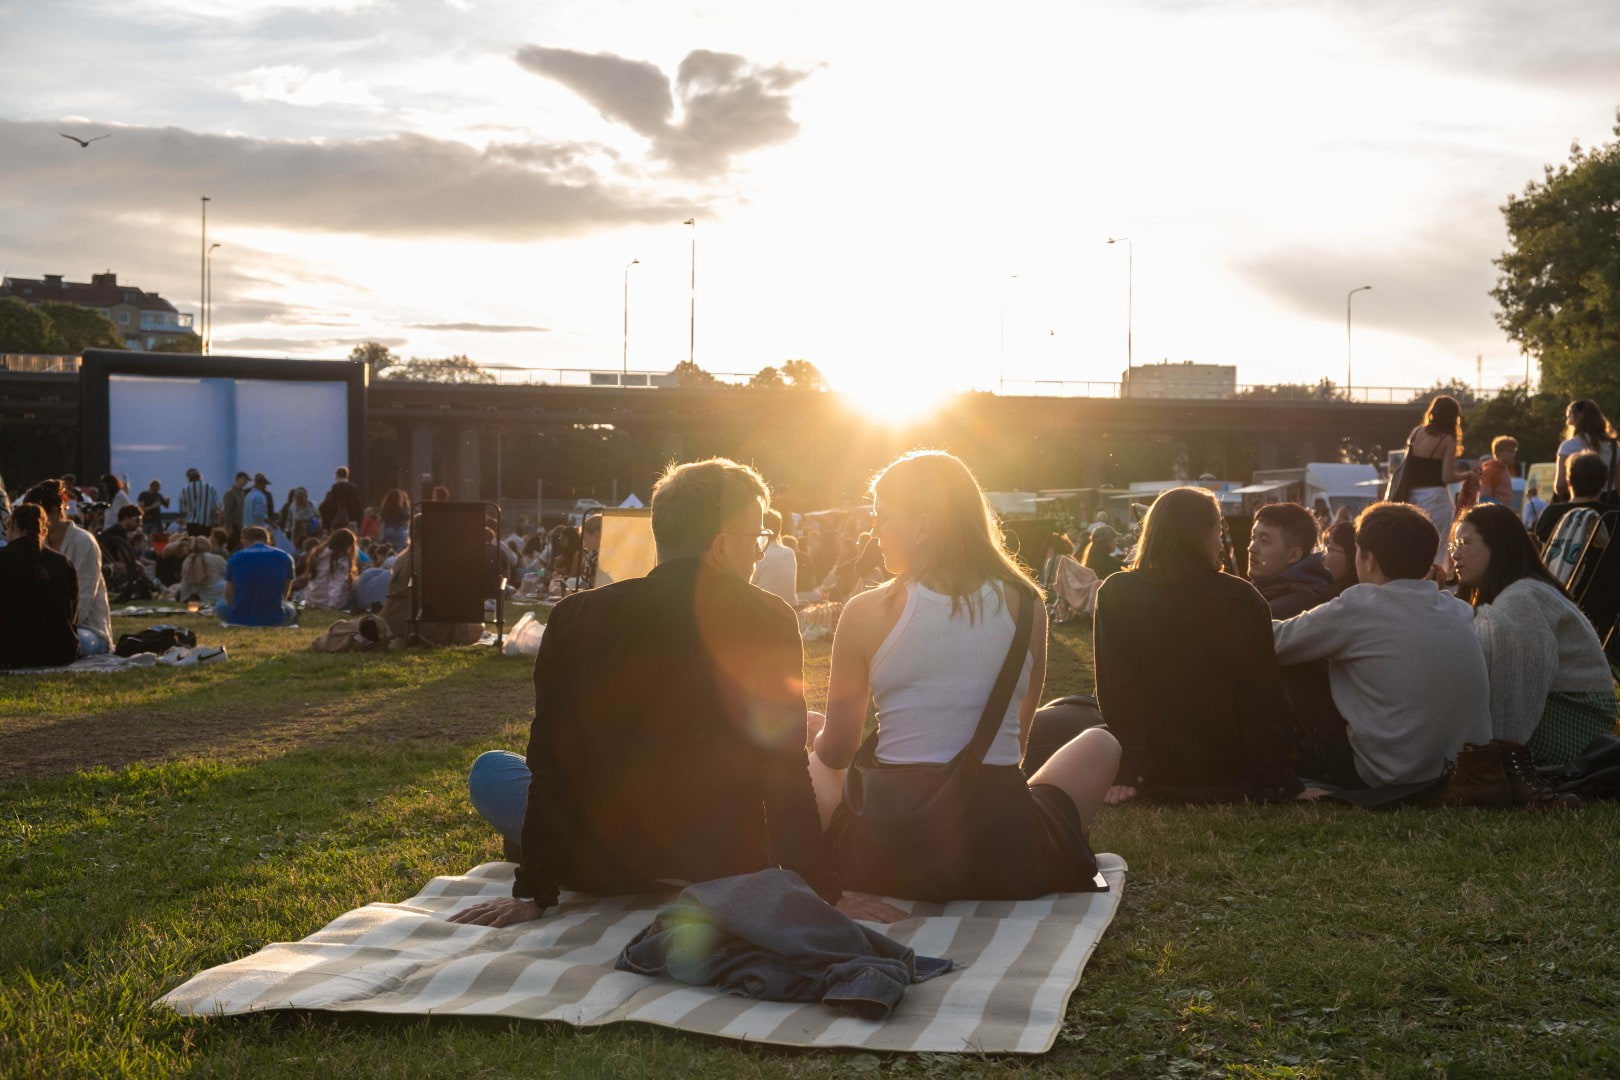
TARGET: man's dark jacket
(341,507)
(1304,585)
(669,739)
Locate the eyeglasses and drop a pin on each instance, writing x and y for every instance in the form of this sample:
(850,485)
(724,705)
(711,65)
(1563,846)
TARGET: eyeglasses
(762,540)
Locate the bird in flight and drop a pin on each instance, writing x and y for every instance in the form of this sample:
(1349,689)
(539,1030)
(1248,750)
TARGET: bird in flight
(85,142)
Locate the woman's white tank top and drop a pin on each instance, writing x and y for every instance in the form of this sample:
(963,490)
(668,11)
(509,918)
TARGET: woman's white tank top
(933,674)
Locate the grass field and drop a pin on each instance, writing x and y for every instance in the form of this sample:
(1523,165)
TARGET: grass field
(162,821)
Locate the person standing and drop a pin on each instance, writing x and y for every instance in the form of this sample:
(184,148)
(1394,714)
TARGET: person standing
(257,507)
(1586,428)
(341,507)
(93,621)
(778,569)
(114,493)
(1431,465)
(231,508)
(1534,504)
(152,502)
(42,596)
(395,512)
(199,504)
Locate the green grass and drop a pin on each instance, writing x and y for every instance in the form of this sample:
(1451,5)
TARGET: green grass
(257,800)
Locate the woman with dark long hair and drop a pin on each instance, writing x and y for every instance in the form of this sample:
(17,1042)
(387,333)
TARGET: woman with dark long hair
(1099,555)
(332,569)
(42,596)
(929,647)
(395,512)
(1586,428)
(1432,450)
(1551,688)
(1187,674)
(1339,553)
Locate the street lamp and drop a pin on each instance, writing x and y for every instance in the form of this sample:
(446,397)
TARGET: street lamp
(1001,383)
(202,263)
(1347,354)
(1130,306)
(208,299)
(625,377)
(691,326)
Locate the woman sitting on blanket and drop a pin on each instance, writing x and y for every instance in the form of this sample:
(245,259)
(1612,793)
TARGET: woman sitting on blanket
(927,646)
(1550,683)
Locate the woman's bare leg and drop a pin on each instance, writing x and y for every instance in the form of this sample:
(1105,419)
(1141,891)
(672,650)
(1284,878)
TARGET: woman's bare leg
(1084,767)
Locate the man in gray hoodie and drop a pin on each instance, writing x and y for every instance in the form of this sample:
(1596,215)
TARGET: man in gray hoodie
(1406,670)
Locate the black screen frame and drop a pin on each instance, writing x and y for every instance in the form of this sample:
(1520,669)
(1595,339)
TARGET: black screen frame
(97,366)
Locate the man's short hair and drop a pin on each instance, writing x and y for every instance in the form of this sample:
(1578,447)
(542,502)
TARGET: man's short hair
(691,503)
(1400,536)
(128,511)
(243,476)
(342,472)
(253,534)
(191,474)
(1503,442)
(1588,473)
(1296,524)
(47,495)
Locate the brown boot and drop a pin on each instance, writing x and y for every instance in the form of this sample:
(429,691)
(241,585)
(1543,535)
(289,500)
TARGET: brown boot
(1479,778)
(1530,789)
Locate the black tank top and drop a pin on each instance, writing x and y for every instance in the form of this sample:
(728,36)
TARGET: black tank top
(1423,471)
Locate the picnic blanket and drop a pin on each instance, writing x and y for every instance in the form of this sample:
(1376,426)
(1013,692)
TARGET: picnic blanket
(107,663)
(1021,961)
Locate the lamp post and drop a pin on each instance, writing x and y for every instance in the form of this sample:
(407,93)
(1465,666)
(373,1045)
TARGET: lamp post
(1348,356)
(625,377)
(208,299)
(1001,383)
(691,325)
(202,265)
(1130,306)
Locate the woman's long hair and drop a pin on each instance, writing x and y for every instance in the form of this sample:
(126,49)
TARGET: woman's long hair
(965,548)
(339,549)
(194,572)
(1101,544)
(1588,421)
(110,485)
(1343,534)
(1513,553)
(395,504)
(30,520)
(1176,531)
(1444,417)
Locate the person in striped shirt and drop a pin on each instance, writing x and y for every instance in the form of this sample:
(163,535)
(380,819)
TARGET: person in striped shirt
(199,504)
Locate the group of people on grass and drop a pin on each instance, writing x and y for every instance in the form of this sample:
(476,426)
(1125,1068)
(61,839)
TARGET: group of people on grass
(1343,664)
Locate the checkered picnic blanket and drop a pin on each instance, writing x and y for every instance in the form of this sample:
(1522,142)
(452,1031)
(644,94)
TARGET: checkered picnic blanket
(1022,960)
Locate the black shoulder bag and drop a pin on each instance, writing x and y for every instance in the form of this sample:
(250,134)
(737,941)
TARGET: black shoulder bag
(1400,482)
(895,817)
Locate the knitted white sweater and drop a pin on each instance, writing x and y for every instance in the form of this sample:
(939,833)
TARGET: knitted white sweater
(1536,642)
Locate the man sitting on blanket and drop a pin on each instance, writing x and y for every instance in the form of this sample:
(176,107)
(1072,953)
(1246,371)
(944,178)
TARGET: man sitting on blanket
(669,723)
(257,580)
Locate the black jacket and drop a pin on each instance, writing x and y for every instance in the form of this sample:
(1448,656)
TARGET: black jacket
(668,739)
(41,600)
(1300,587)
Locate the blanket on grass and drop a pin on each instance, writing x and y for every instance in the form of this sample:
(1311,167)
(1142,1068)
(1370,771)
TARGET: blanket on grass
(108,663)
(1021,961)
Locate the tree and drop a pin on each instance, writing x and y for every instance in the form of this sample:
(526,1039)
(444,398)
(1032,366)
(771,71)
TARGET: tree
(803,375)
(1326,390)
(24,328)
(767,379)
(688,373)
(375,355)
(1559,289)
(1536,420)
(80,328)
(1465,395)
(449,369)
(190,343)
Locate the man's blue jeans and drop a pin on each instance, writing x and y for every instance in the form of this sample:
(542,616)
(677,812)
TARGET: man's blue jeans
(498,785)
(91,643)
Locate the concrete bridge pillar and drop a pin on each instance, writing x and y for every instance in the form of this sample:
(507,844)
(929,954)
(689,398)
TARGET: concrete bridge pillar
(419,461)
(469,474)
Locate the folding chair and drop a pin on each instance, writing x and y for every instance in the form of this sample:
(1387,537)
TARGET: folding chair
(456,571)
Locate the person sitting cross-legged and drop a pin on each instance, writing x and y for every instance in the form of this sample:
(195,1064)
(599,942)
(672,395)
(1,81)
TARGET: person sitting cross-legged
(669,723)
(42,596)
(1550,684)
(1284,563)
(257,580)
(1407,677)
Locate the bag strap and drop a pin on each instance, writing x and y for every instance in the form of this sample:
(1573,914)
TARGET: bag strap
(995,710)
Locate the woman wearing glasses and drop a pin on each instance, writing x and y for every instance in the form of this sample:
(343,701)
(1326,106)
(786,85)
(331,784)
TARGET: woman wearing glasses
(1550,683)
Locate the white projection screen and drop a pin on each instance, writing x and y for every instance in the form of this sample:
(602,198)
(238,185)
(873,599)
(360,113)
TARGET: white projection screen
(219,414)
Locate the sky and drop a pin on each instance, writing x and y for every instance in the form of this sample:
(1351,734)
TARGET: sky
(914,197)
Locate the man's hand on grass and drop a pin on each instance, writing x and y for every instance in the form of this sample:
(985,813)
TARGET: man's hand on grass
(1311,794)
(868,908)
(1118,794)
(505,911)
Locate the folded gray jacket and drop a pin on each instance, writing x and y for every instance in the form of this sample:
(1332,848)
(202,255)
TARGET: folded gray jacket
(767,935)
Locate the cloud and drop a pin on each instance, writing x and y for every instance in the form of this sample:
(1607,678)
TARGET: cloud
(274,311)
(729,106)
(482,328)
(298,345)
(294,85)
(396,185)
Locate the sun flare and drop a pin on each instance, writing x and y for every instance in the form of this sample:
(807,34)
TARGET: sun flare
(893,403)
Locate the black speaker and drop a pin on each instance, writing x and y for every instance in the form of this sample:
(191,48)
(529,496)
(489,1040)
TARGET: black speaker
(451,561)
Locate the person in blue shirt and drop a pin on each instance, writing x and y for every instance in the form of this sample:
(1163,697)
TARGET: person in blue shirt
(257,580)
